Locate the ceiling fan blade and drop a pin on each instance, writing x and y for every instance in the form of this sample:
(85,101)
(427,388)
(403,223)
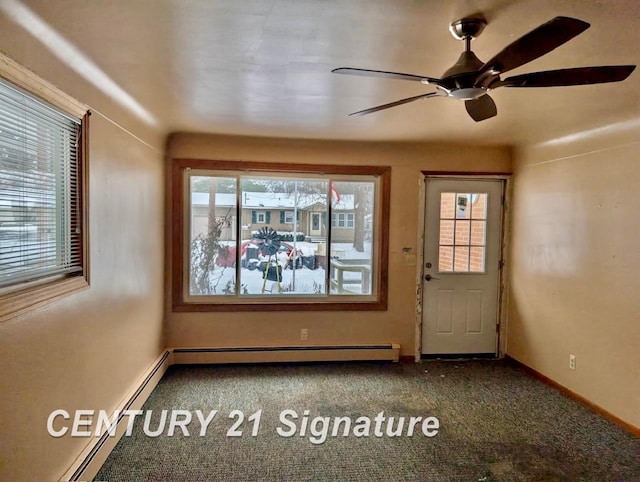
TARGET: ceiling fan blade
(385,74)
(397,102)
(562,77)
(534,44)
(481,108)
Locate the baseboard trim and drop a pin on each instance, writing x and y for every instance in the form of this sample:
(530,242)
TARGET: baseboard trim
(579,398)
(285,354)
(458,356)
(94,455)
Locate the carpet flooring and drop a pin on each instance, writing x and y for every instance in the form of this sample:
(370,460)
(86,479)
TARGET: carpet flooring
(496,423)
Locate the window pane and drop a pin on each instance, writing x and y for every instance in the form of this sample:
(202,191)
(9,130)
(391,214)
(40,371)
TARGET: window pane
(288,217)
(461,259)
(478,232)
(212,269)
(283,258)
(446,232)
(445,259)
(351,246)
(40,230)
(476,260)
(479,206)
(312,266)
(447,205)
(462,206)
(462,233)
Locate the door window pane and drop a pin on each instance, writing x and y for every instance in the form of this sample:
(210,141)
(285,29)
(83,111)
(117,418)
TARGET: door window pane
(478,232)
(462,233)
(479,206)
(476,259)
(448,205)
(446,232)
(445,258)
(462,226)
(461,259)
(463,206)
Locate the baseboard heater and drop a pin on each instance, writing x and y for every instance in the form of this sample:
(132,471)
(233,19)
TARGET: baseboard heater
(91,459)
(286,354)
(93,456)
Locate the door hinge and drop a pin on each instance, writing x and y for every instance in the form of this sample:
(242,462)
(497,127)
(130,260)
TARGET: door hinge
(501,264)
(497,327)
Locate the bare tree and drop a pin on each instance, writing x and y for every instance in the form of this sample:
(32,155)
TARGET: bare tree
(211,227)
(363,207)
(206,248)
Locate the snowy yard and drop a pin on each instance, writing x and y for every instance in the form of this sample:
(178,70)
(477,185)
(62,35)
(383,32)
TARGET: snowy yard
(300,281)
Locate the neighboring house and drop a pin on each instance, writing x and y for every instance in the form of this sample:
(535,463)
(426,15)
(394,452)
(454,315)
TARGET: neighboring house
(275,210)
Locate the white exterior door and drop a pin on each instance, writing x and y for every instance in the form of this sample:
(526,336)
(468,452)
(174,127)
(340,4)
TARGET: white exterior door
(462,266)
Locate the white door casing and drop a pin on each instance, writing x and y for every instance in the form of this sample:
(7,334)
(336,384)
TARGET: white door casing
(463,224)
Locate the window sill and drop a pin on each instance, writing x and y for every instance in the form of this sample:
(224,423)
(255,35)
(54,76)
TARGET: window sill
(20,302)
(280,306)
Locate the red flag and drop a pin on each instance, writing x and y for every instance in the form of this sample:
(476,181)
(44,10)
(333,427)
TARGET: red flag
(335,193)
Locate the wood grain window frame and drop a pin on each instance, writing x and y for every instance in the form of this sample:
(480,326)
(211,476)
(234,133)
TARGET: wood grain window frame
(178,254)
(16,301)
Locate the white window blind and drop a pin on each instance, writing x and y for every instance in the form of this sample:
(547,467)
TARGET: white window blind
(40,220)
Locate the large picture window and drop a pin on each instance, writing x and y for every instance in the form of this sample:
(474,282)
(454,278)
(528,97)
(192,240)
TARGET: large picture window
(42,217)
(257,236)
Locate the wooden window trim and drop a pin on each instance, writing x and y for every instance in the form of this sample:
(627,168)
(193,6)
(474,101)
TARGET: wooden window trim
(15,300)
(178,222)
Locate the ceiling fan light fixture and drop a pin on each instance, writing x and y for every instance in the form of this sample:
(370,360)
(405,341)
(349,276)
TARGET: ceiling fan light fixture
(469,93)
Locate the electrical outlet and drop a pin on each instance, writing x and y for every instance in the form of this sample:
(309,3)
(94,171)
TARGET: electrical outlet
(572,362)
(304,334)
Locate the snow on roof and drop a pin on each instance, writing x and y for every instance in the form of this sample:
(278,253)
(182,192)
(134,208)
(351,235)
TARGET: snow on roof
(222,199)
(270,200)
(345,203)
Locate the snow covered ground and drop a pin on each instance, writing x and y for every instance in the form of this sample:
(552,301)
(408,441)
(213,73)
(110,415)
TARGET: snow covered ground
(301,281)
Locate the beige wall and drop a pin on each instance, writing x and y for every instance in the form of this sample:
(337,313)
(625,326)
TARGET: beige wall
(283,328)
(87,350)
(575,265)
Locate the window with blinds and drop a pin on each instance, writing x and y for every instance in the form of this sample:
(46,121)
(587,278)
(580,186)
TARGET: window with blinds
(40,201)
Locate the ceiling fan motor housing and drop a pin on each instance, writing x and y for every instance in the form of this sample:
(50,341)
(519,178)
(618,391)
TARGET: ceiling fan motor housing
(459,79)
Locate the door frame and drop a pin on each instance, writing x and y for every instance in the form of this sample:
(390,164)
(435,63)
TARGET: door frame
(504,249)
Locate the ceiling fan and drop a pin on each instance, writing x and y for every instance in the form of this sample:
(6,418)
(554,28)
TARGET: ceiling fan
(470,79)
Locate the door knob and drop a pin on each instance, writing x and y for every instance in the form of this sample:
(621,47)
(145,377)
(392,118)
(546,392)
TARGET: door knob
(428,277)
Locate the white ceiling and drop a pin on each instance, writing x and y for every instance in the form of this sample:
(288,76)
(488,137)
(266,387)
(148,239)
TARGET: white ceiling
(262,67)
